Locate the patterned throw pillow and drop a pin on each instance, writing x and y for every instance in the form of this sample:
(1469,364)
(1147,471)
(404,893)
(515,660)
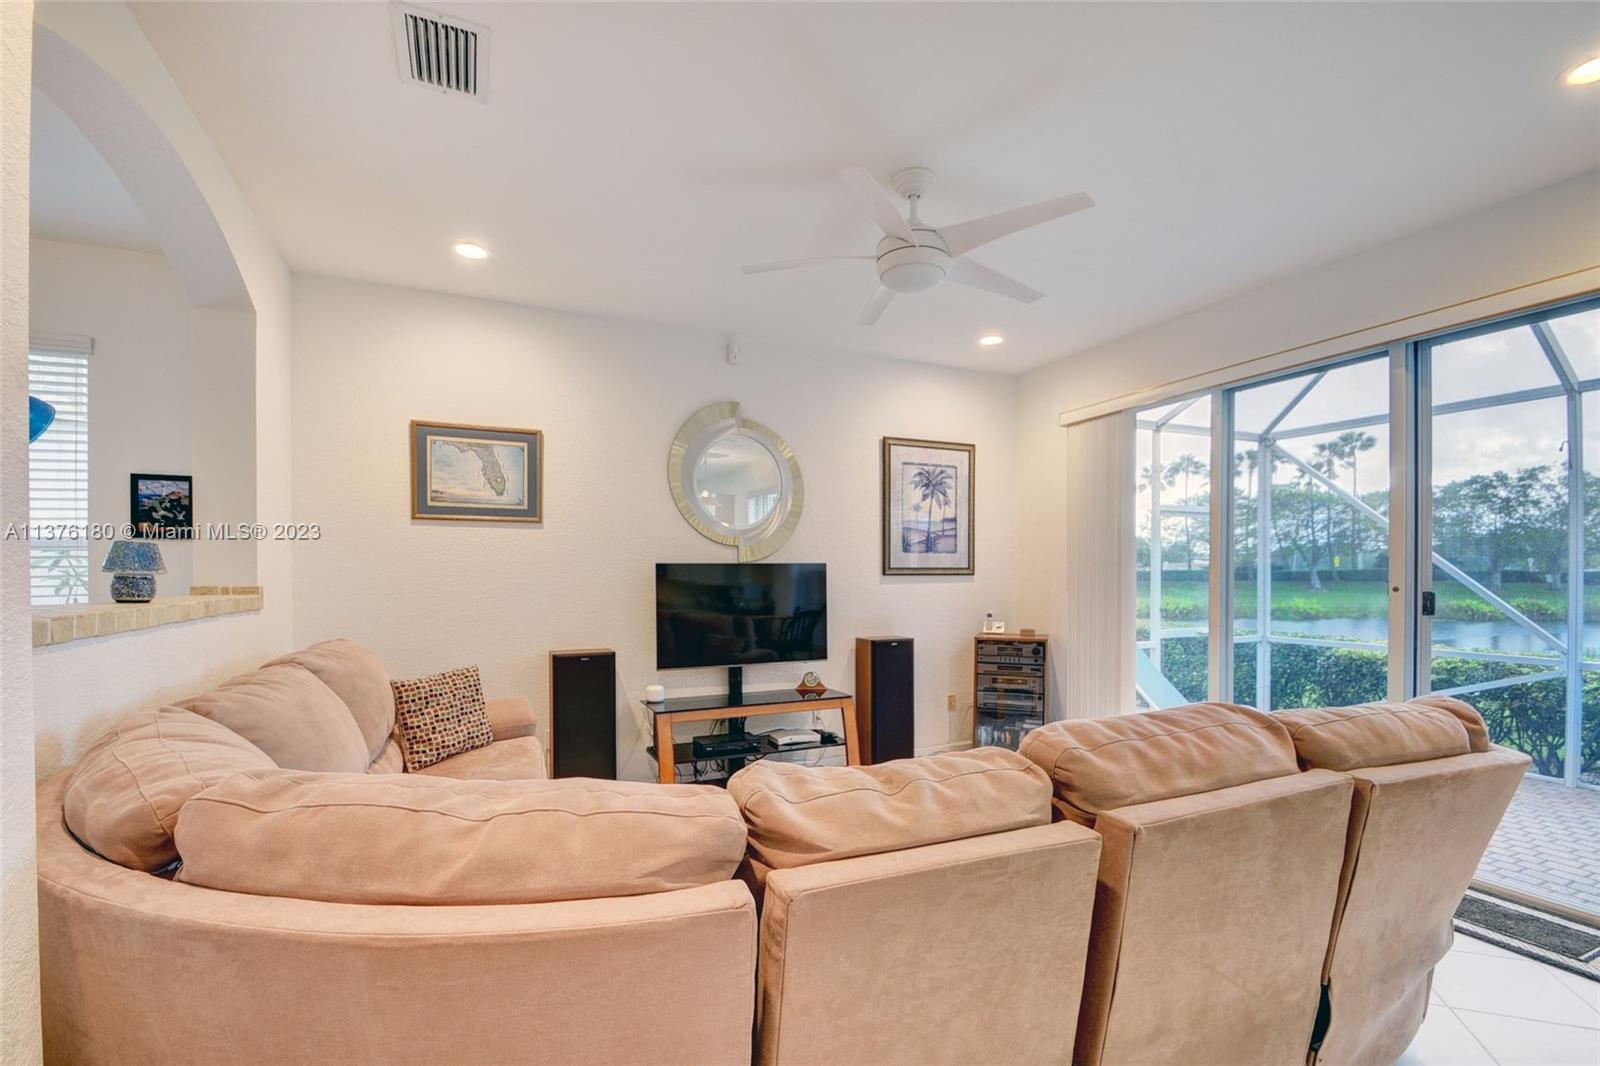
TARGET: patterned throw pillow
(440,715)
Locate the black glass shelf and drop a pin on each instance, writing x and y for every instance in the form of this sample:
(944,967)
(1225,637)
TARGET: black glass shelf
(683,752)
(720,701)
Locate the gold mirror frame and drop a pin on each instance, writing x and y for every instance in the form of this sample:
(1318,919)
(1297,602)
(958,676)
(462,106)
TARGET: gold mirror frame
(708,425)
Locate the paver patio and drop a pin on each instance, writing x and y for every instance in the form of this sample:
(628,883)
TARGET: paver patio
(1548,845)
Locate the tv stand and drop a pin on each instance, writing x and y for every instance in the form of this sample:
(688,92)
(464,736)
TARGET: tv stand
(739,707)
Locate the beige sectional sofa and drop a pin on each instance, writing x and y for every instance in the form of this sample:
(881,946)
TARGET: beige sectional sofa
(1202,884)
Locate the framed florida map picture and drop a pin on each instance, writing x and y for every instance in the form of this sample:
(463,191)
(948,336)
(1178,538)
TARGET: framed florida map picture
(927,507)
(476,473)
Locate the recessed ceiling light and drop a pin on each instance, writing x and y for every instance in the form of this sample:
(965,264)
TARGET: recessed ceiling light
(1585,73)
(989,340)
(470,250)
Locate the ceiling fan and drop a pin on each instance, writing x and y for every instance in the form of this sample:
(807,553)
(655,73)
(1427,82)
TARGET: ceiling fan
(915,257)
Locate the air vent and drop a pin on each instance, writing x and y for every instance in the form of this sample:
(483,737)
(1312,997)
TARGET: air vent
(436,52)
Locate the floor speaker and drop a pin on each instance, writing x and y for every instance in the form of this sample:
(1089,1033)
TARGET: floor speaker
(885,698)
(583,713)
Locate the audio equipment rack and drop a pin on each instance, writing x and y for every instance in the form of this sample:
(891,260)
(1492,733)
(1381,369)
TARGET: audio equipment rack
(1010,687)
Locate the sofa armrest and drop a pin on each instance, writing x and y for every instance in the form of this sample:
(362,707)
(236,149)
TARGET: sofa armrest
(511,716)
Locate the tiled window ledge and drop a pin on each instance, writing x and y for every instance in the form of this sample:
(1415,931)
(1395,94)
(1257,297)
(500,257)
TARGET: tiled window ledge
(80,621)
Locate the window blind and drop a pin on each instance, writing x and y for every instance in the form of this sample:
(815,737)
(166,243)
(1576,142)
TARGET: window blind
(58,474)
(758,507)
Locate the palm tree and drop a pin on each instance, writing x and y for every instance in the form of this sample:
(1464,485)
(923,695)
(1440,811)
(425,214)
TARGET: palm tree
(934,483)
(1348,446)
(1186,466)
(1342,453)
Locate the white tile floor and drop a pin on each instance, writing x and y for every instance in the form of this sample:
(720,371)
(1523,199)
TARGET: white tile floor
(1494,1008)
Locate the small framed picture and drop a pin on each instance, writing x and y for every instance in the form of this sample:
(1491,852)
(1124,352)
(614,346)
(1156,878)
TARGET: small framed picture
(927,506)
(476,473)
(161,506)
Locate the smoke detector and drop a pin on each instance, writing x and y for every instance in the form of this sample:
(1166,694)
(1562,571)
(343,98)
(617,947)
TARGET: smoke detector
(438,52)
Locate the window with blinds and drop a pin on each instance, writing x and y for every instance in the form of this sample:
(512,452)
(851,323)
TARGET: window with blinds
(58,475)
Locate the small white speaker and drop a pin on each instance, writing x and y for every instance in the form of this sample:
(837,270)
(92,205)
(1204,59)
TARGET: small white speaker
(654,694)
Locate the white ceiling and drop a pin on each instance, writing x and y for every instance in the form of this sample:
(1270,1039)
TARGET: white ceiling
(630,158)
(74,196)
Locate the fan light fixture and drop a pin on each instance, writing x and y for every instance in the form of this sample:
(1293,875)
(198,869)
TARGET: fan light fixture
(915,257)
(1585,73)
(991,340)
(470,250)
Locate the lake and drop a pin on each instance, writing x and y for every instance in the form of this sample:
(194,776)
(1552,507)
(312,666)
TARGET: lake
(1503,636)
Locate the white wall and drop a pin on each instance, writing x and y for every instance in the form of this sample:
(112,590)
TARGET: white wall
(82,688)
(79,688)
(19,920)
(1540,247)
(171,391)
(609,396)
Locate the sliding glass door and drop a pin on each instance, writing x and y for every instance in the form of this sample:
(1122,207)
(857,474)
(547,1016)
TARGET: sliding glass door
(1309,537)
(1509,488)
(1418,518)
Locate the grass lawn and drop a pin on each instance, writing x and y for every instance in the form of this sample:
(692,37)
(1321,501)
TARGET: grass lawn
(1292,600)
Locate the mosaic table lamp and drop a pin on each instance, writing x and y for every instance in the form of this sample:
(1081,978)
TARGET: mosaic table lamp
(135,564)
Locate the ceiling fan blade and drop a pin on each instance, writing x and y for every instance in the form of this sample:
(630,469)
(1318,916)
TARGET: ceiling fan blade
(790,264)
(875,306)
(879,204)
(963,237)
(967,272)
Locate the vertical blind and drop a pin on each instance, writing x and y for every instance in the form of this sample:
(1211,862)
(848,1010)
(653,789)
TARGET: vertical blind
(1097,665)
(58,474)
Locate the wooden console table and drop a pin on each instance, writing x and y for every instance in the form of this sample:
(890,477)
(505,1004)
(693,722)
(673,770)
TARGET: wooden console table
(751,705)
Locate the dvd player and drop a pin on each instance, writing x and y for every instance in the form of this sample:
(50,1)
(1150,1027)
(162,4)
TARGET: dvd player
(728,745)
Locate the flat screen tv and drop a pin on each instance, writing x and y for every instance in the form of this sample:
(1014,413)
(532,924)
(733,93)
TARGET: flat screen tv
(738,614)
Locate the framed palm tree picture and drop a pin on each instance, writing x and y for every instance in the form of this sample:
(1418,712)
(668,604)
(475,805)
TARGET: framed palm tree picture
(927,506)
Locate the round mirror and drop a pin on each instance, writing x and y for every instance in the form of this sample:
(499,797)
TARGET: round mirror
(735,481)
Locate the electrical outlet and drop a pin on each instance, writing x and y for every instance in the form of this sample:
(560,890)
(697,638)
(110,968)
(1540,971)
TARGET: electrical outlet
(950,703)
(952,727)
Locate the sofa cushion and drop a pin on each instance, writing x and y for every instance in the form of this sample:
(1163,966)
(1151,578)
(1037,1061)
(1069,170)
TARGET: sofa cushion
(517,759)
(1378,734)
(800,815)
(415,839)
(123,797)
(1477,731)
(359,679)
(284,710)
(440,715)
(511,717)
(389,760)
(1100,764)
